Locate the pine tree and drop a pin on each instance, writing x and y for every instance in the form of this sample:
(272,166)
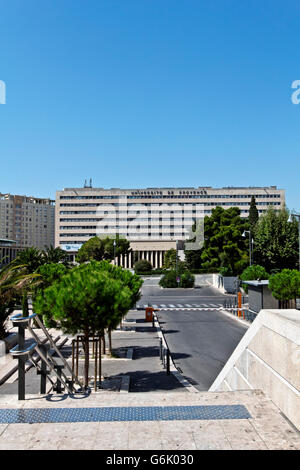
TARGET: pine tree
(253,214)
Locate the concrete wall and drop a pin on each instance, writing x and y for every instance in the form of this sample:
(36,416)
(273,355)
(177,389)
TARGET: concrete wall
(225,284)
(268,358)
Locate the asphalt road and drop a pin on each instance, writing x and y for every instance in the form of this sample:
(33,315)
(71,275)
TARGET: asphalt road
(200,339)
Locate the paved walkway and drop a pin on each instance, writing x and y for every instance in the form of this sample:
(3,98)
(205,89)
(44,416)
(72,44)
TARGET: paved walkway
(157,413)
(266,429)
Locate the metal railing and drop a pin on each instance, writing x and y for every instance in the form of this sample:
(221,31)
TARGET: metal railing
(23,353)
(164,351)
(230,304)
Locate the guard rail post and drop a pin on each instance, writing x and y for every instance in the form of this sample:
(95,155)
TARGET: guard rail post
(168,361)
(43,371)
(21,363)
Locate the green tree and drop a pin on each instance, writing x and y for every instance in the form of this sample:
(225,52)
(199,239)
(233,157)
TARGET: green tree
(285,286)
(253,273)
(253,214)
(170,279)
(15,282)
(142,266)
(92,249)
(276,240)
(170,257)
(131,281)
(30,258)
(48,275)
(88,299)
(99,249)
(54,255)
(121,247)
(24,266)
(224,245)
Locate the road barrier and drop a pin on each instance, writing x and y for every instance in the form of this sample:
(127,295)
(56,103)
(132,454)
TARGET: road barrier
(236,305)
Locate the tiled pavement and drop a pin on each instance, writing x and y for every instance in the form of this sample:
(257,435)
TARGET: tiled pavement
(266,429)
(262,427)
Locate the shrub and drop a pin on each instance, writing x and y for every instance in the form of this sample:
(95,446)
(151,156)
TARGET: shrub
(142,266)
(169,280)
(285,285)
(253,273)
(225,271)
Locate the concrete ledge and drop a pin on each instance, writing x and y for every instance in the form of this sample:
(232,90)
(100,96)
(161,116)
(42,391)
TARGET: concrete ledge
(268,358)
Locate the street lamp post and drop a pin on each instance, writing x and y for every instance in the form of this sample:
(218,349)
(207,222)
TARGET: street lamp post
(290,220)
(250,245)
(177,276)
(114,251)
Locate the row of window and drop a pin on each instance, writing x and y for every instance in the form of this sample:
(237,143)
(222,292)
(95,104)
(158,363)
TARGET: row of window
(175,196)
(149,204)
(113,227)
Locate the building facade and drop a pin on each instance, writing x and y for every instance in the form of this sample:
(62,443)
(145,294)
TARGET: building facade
(29,221)
(8,251)
(152,219)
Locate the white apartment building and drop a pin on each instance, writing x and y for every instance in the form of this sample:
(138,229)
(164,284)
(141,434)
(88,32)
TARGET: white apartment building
(152,219)
(29,221)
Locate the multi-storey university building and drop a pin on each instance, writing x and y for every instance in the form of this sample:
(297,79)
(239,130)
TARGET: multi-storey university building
(152,219)
(29,221)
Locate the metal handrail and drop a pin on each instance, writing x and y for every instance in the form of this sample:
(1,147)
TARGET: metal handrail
(23,352)
(18,318)
(40,324)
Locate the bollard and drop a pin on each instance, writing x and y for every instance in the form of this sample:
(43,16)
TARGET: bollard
(160,349)
(168,361)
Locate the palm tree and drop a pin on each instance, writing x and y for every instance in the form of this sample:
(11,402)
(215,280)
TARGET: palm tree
(23,268)
(15,283)
(55,255)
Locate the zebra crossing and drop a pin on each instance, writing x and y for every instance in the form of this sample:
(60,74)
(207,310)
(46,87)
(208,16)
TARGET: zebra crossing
(197,306)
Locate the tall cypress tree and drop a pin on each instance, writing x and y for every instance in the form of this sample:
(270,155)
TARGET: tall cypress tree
(253,214)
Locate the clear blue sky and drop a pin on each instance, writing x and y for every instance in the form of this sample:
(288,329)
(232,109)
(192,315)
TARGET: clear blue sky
(137,93)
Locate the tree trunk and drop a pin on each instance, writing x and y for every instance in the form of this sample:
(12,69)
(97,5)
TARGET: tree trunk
(103,342)
(86,360)
(109,342)
(25,309)
(100,363)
